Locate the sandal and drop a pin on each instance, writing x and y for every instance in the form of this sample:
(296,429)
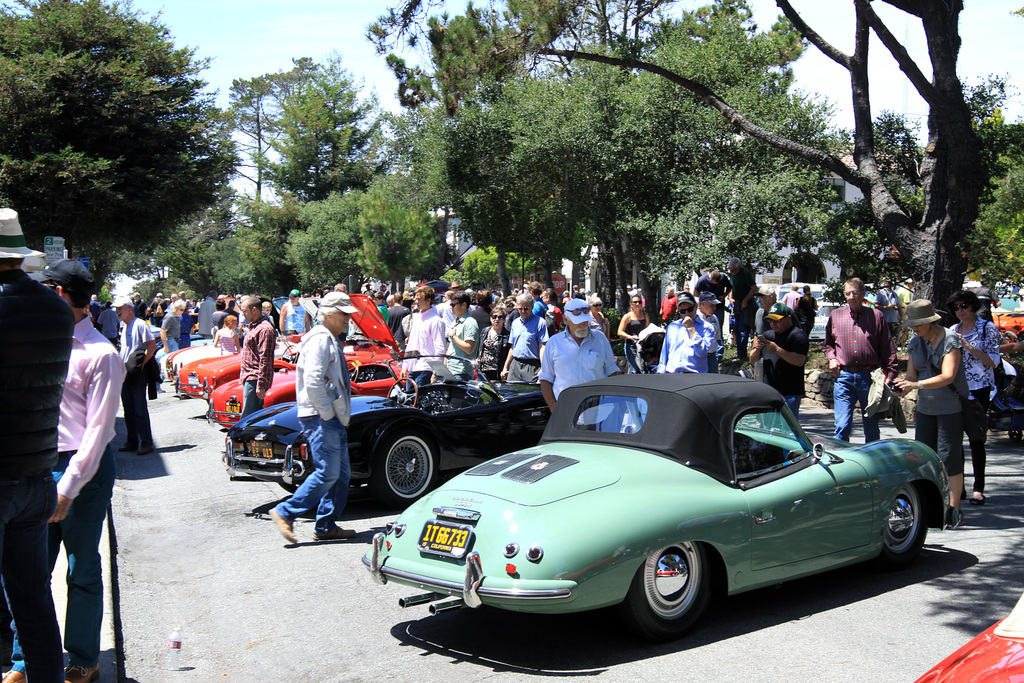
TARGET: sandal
(978,501)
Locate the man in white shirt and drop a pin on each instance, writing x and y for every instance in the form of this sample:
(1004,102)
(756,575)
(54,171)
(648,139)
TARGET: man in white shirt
(426,337)
(84,472)
(575,355)
(135,337)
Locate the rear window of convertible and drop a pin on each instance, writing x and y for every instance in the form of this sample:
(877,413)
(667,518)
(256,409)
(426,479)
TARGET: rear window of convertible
(611,414)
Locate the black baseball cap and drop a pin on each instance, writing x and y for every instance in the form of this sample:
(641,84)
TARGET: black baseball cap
(70,274)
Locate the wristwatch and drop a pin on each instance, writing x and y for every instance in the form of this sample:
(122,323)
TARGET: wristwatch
(920,384)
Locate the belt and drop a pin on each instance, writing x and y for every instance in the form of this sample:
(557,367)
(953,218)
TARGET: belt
(857,368)
(66,454)
(527,361)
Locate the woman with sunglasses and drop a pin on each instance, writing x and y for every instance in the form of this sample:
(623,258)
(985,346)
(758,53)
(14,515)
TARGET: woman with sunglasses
(934,363)
(494,346)
(980,340)
(630,327)
(600,322)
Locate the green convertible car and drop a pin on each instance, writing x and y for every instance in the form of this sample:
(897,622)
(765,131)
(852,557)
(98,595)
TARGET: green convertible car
(648,490)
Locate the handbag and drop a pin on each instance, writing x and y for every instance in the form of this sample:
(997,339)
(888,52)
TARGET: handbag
(975,419)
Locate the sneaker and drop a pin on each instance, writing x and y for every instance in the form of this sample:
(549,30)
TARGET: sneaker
(284,526)
(334,534)
(81,674)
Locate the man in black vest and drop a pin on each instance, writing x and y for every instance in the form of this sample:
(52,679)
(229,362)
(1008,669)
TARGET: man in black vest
(35,345)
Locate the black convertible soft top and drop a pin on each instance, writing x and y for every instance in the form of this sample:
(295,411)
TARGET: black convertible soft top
(690,416)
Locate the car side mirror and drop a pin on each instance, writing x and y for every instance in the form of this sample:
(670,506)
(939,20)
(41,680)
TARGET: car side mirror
(819,455)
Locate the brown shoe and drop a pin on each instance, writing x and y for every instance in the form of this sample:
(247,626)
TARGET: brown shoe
(334,534)
(81,674)
(14,677)
(127,449)
(145,450)
(284,526)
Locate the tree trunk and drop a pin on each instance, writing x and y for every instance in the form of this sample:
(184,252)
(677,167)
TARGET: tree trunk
(503,279)
(619,297)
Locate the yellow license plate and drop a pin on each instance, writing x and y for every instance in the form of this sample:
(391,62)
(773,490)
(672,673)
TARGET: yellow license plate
(443,538)
(259,449)
(233,407)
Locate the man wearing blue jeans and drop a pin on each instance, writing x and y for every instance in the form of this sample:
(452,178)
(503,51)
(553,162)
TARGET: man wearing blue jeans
(742,296)
(138,345)
(322,392)
(857,340)
(35,344)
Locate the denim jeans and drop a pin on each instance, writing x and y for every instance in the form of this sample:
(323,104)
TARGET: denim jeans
(712,363)
(326,488)
(250,401)
(631,357)
(26,504)
(720,351)
(80,533)
(421,377)
(794,404)
(850,389)
(742,331)
(136,412)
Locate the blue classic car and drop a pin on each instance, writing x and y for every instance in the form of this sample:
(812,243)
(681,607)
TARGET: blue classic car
(400,445)
(648,490)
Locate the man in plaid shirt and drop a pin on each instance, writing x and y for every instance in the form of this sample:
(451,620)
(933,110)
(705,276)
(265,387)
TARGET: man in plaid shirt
(257,356)
(857,341)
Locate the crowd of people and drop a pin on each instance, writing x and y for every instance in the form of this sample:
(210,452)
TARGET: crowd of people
(67,359)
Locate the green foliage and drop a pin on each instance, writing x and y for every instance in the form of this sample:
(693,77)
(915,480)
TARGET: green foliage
(397,241)
(261,242)
(995,249)
(325,132)
(328,249)
(108,137)
(481,265)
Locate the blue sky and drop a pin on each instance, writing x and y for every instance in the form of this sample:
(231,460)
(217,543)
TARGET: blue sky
(246,39)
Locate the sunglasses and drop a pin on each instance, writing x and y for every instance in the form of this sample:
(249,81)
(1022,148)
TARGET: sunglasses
(597,306)
(685,310)
(959,306)
(497,317)
(636,303)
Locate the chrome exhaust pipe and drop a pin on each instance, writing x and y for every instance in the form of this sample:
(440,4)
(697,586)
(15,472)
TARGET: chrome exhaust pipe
(438,607)
(419,599)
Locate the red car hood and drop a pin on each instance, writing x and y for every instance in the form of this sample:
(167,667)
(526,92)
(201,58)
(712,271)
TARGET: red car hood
(995,656)
(367,317)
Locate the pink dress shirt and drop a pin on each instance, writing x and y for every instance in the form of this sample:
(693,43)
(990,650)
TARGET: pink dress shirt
(92,395)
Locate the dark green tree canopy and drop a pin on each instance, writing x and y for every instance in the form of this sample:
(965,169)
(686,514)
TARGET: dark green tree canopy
(509,37)
(108,139)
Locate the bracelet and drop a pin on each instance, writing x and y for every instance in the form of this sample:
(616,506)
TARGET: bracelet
(920,384)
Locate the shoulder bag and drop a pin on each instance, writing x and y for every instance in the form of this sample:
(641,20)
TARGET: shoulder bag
(975,419)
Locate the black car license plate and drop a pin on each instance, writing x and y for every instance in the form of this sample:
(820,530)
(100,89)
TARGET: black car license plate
(233,407)
(443,538)
(260,449)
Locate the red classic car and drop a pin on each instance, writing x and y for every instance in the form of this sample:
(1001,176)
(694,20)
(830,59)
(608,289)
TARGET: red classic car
(1010,325)
(369,357)
(375,378)
(995,655)
(199,379)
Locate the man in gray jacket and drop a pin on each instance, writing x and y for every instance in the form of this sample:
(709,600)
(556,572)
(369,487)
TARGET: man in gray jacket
(322,391)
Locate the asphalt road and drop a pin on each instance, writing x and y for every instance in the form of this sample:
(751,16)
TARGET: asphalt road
(198,551)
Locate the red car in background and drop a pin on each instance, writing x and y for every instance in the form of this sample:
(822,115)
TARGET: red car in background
(1010,325)
(370,359)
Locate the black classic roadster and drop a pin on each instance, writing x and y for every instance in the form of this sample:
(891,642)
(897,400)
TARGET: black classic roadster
(401,445)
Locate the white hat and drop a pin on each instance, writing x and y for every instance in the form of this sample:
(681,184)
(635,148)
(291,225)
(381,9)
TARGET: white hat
(578,311)
(122,301)
(12,239)
(336,301)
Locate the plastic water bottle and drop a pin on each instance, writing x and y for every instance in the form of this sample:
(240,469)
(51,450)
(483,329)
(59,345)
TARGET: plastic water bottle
(173,661)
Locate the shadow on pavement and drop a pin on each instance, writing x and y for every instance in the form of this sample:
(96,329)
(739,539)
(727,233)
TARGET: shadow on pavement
(589,643)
